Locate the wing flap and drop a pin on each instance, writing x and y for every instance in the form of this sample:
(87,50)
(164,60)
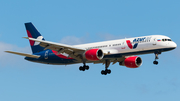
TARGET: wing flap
(23,54)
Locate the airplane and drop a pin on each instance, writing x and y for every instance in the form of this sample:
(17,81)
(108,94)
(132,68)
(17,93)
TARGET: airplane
(120,51)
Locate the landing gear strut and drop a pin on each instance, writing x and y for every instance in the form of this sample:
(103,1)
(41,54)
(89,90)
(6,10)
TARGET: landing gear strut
(156,57)
(106,71)
(84,67)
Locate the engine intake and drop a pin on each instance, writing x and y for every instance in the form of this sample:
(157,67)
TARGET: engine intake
(94,54)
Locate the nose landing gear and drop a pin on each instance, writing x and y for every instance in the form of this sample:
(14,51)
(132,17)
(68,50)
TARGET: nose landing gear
(156,57)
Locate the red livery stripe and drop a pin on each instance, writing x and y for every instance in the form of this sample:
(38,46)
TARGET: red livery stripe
(60,55)
(129,44)
(30,36)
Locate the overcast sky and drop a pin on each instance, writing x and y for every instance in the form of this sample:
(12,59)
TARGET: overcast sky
(79,21)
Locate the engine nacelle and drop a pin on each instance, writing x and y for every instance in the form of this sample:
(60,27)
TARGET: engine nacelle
(94,54)
(132,62)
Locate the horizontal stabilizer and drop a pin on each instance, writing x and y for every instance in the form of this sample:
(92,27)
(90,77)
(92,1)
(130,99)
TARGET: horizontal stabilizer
(23,54)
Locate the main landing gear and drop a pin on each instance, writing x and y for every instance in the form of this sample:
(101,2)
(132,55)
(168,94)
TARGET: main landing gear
(103,72)
(84,67)
(106,71)
(156,57)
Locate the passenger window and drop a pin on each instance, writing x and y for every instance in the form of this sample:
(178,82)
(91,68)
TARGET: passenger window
(162,39)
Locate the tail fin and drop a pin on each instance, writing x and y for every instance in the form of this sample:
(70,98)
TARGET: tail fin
(32,32)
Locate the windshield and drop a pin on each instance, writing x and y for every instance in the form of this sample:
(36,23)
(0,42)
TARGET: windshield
(166,40)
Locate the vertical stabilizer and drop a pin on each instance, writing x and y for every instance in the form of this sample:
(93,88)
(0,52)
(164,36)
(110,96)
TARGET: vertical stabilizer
(32,32)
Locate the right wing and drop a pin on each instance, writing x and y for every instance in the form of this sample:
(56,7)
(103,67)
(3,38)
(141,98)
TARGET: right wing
(23,54)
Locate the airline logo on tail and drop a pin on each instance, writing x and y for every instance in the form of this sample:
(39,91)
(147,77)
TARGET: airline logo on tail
(39,38)
(33,43)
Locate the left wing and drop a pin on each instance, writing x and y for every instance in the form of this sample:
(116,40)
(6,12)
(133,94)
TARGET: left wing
(73,52)
(23,54)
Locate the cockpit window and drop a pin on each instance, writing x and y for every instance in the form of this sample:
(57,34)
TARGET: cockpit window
(166,40)
(169,40)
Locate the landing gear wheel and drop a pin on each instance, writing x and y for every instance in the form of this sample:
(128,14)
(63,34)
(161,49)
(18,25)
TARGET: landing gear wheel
(81,68)
(86,67)
(155,62)
(103,72)
(108,71)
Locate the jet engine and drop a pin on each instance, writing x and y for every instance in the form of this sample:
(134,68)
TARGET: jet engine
(132,62)
(94,54)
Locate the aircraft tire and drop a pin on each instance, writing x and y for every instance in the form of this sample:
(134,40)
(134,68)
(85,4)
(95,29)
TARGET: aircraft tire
(87,67)
(81,68)
(103,72)
(155,62)
(108,71)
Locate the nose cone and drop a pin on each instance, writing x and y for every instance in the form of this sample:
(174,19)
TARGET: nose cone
(174,45)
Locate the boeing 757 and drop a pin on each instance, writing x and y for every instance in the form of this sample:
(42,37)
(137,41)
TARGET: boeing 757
(120,51)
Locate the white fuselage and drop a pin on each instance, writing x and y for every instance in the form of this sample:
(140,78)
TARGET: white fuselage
(113,51)
(143,43)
